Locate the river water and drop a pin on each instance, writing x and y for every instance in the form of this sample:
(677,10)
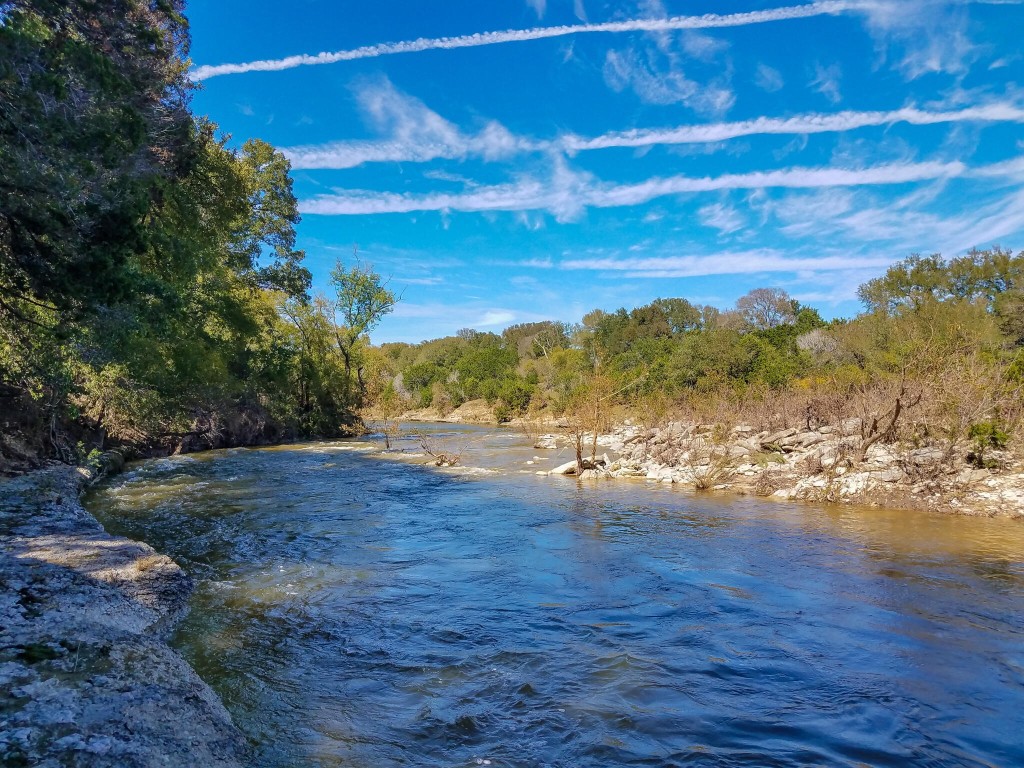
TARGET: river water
(362,610)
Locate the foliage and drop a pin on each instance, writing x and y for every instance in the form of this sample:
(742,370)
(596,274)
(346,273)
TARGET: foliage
(151,291)
(986,435)
(94,126)
(939,350)
(361,299)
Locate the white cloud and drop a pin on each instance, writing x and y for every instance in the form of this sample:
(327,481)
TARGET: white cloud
(901,224)
(1004,61)
(562,194)
(539,6)
(542,263)
(930,35)
(826,82)
(737,263)
(445,317)
(420,280)
(707,21)
(702,47)
(494,317)
(722,217)
(801,124)
(568,193)
(654,72)
(414,132)
(532,222)
(629,70)
(768,78)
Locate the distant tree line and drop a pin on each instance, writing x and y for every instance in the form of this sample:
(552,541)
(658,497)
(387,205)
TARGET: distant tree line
(940,344)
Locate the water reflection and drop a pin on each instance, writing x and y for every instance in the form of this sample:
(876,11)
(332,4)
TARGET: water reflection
(362,610)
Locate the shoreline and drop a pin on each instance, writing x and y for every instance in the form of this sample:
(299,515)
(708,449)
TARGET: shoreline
(85,667)
(806,465)
(816,464)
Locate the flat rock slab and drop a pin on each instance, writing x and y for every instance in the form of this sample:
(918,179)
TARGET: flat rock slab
(86,677)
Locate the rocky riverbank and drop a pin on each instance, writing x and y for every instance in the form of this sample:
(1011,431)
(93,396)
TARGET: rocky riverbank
(86,676)
(829,463)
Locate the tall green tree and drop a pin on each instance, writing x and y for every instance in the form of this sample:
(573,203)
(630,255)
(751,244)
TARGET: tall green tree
(361,300)
(94,124)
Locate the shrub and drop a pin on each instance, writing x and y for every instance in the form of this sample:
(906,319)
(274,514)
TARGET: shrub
(986,435)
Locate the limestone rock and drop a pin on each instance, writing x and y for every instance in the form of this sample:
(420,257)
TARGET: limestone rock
(546,442)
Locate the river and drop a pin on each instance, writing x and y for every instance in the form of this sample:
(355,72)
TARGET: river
(368,611)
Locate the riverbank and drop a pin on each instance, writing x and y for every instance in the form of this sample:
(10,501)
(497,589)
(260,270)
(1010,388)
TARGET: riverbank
(823,464)
(87,676)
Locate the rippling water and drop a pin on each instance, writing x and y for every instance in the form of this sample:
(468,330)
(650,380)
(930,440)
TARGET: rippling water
(363,611)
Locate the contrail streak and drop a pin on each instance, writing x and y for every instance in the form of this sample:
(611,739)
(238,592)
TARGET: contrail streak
(707,21)
(803,124)
(350,154)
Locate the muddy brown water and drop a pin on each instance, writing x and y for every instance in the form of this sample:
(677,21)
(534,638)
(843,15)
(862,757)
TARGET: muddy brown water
(363,610)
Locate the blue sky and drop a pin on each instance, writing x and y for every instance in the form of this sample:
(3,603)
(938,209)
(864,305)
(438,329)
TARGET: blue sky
(504,162)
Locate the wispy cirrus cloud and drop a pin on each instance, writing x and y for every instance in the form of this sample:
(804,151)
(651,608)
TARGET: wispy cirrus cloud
(564,194)
(568,193)
(928,35)
(826,82)
(653,68)
(706,21)
(664,84)
(448,317)
(732,263)
(414,133)
(420,280)
(768,78)
(902,223)
(725,218)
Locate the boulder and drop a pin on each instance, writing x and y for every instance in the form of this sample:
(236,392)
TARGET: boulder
(777,436)
(569,468)
(923,456)
(968,476)
(801,440)
(546,442)
(849,426)
(890,475)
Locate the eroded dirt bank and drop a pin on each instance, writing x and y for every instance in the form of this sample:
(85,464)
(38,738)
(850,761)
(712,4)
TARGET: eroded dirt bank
(86,676)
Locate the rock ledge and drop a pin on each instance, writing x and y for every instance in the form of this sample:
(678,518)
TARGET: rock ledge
(86,676)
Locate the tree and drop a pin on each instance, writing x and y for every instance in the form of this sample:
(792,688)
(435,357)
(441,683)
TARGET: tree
(268,229)
(765,308)
(907,284)
(94,123)
(680,315)
(362,300)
